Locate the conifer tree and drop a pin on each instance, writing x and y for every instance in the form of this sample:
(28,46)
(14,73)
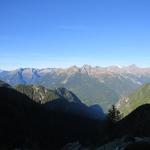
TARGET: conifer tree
(113,114)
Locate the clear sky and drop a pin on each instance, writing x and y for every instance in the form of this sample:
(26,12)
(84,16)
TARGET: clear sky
(61,33)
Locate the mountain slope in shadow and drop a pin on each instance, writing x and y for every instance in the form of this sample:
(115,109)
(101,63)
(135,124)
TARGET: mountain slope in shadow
(130,133)
(61,99)
(27,124)
(136,123)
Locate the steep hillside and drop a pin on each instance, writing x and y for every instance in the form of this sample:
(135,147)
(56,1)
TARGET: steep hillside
(87,88)
(37,93)
(43,95)
(29,125)
(137,123)
(91,91)
(68,95)
(61,99)
(130,133)
(122,84)
(139,97)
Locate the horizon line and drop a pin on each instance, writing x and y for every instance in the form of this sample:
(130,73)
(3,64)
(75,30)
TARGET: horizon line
(79,66)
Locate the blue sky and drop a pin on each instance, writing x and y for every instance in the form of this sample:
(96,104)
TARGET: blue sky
(61,33)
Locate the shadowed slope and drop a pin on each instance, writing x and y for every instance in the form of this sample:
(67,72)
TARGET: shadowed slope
(27,124)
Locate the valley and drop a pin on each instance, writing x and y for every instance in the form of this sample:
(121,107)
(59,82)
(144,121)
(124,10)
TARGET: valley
(52,116)
(93,85)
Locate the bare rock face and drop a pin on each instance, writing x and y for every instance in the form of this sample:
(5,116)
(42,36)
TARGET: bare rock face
(39,94)
(68,95)
(43,95)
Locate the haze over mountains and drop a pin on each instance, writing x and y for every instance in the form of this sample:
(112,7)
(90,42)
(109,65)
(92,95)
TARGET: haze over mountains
(93,85)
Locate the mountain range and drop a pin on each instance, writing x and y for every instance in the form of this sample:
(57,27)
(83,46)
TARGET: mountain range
(93,85)
(41,124)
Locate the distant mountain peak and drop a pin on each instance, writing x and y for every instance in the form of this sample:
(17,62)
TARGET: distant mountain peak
(86,69)
(73,69)
(133,66)
(87,66)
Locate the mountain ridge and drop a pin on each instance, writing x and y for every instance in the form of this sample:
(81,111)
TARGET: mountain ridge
(113,68)
(93,85)
(51,125)
(26,124)
(61,99)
